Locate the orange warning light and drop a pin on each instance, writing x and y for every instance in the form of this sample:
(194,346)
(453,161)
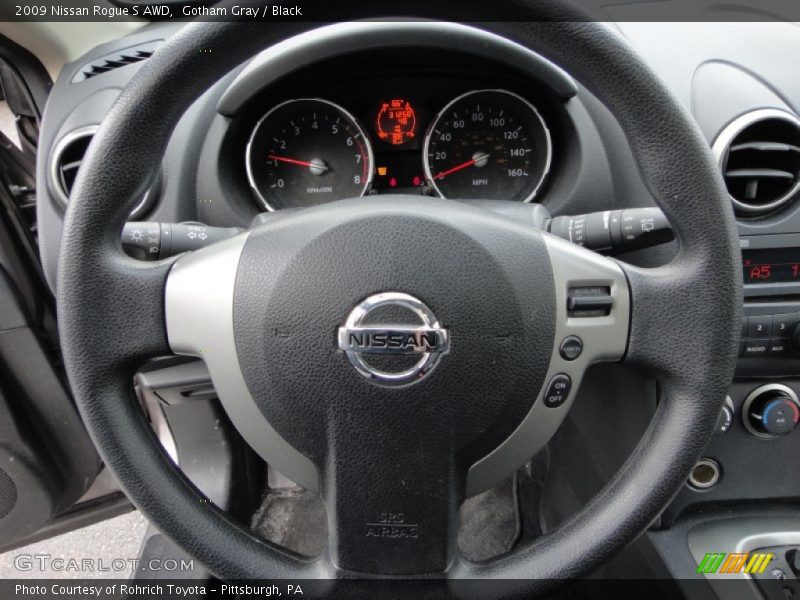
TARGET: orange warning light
(396,122)
(382,171)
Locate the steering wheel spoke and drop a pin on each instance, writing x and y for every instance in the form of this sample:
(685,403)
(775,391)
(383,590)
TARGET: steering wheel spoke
(592,321)
(393,496)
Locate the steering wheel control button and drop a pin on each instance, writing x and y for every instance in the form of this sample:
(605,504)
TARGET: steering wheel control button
(594,301)
(771,410)
(571,348)
(557,390)
(416,341)
(759,327)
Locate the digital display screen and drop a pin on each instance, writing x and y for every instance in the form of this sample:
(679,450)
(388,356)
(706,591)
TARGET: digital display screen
(396,122)
(771,265)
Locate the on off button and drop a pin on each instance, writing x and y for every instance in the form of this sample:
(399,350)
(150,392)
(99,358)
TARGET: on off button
(557,390)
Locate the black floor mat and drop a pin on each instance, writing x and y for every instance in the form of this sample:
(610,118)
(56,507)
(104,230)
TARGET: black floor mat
(490,524)
(294,518)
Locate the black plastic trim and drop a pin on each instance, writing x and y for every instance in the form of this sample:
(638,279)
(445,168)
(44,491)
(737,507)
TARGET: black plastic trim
(346,38)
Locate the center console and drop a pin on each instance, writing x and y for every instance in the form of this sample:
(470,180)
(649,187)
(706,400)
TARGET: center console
(751,463)
(753,455)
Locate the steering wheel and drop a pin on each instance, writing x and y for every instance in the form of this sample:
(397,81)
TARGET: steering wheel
(391,423)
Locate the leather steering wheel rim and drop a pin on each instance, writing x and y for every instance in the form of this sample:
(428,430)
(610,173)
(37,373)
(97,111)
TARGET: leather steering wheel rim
(111,313)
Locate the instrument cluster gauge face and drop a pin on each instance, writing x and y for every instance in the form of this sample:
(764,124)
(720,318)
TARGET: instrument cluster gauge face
(306,152)
(488,145)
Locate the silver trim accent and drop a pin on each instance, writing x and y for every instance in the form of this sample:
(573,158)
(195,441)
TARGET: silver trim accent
(692,481)
(429,358)
(723,141)
(604,339)
(447,107)
(763,389)
(729,409)
(161,428)
(198,304)
(55,158)
(740,535)
(249,148)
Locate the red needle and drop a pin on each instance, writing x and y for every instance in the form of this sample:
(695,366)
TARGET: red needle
(293,161)
(463,165)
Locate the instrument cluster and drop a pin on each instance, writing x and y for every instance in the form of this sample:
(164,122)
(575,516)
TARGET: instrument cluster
(483,144)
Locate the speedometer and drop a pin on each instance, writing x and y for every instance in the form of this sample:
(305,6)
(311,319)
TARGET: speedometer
(306,152)
(488,145)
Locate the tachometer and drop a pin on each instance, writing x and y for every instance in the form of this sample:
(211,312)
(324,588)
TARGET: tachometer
(488,145)
(306,152)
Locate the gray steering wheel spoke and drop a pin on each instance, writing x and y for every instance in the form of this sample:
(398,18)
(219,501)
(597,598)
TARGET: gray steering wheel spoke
(199,320)
(589,332)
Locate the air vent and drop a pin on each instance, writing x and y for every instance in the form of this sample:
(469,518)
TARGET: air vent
(66,159)
(759,155)
(118,59)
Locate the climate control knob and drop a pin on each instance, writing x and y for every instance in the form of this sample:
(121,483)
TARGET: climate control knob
(780,416)
(771,410)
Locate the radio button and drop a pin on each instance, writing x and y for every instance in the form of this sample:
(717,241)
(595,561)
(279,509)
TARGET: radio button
(745,323)
(796,339)
(782,325)
(759,327)
(778,347)
(754,348)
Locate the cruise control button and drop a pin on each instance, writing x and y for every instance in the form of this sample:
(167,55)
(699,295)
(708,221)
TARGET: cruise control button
(590,301)
(558,390)
(759,327)
(754,348)
(782,325)
(571,347)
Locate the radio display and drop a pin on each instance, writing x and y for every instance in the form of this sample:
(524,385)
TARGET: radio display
(771,265)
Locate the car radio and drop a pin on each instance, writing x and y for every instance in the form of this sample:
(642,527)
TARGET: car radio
(770,330)
(770,265)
